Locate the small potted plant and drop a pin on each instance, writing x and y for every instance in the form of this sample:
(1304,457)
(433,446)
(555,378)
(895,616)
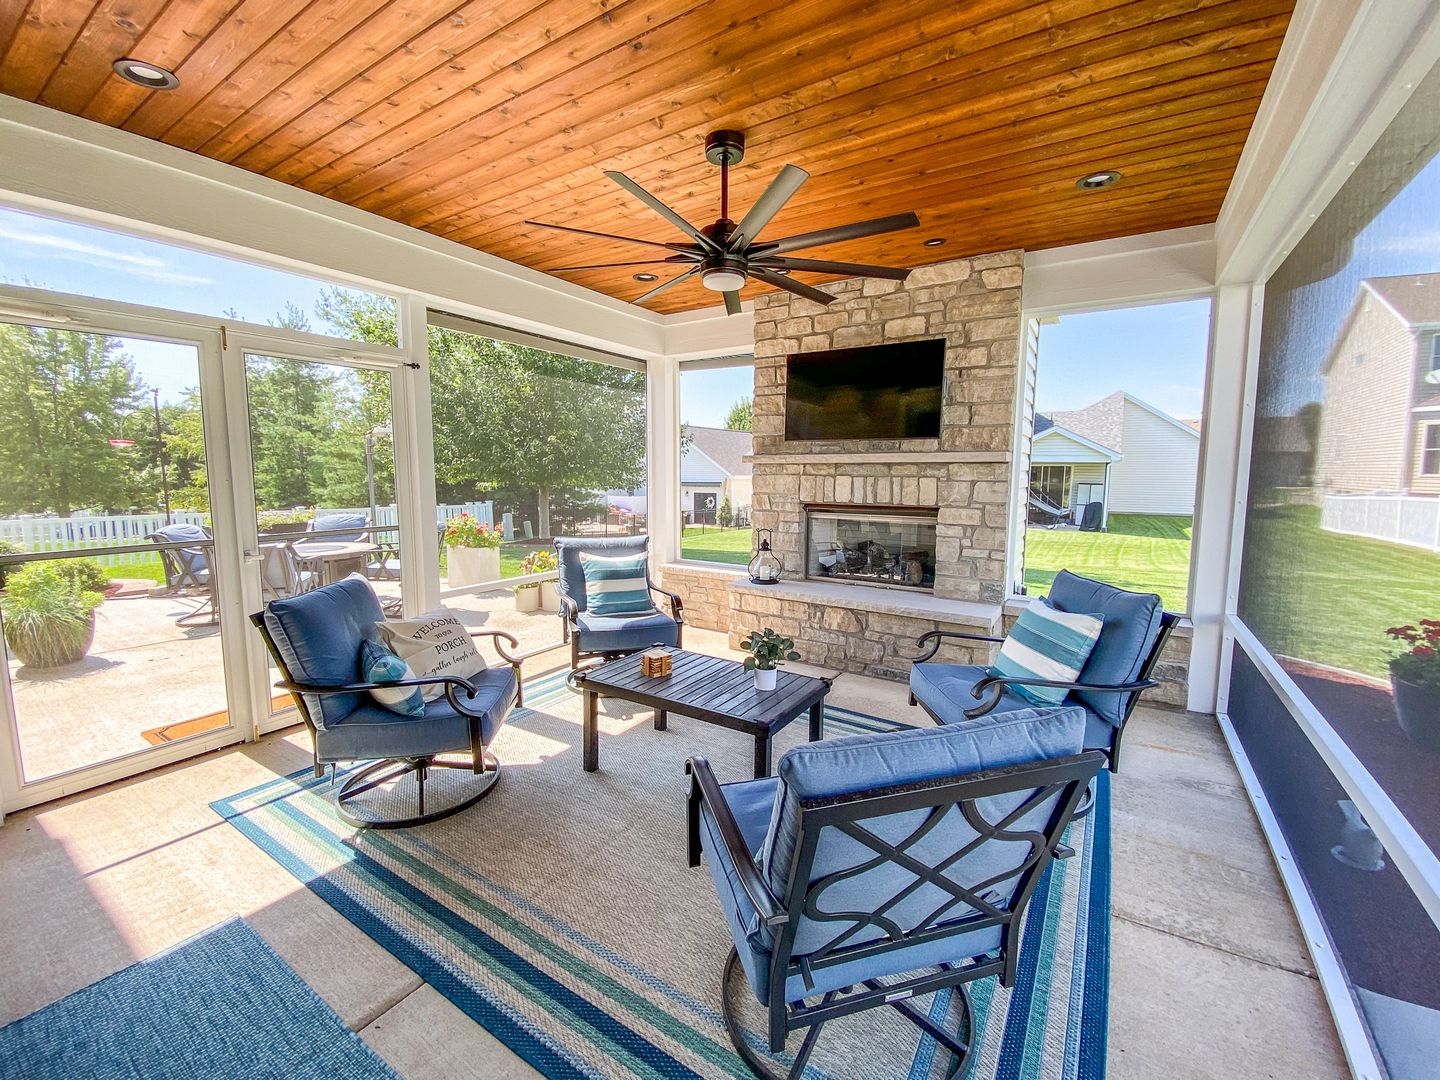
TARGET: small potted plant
(530,596)
(284,522)
(767,650)
(49,618)
(1415,679)
(472,551)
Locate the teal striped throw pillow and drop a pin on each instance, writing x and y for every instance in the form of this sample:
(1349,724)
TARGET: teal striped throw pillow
(379,665)
(1047,643)
(615,586)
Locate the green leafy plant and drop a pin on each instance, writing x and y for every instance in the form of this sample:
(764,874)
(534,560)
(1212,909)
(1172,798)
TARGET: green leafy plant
(767,650)
(85,574)
(726,516)
(269,518)
(464,531)
(539,561)
(1420,662)
(49,618)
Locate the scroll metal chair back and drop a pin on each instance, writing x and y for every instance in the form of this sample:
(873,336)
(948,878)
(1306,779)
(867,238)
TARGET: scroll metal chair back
(861,899)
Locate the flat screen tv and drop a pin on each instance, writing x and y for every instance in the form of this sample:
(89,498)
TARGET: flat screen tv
(876,392)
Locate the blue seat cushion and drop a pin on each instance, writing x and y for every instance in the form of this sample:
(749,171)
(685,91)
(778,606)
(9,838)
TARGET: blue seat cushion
(372,732)
(349,527)
(945,690)
(318,634)
(1131,625)
(572,576)
(625,633)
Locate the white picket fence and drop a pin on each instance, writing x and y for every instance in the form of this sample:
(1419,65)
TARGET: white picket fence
(1413,520)
(117,530)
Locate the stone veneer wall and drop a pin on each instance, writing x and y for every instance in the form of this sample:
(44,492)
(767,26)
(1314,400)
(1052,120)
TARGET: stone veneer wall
(974,305)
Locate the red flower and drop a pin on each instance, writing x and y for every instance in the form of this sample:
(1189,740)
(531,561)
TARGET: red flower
(1422,650)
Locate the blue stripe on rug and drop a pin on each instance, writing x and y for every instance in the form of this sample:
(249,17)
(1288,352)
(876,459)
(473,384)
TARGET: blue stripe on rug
(221,1004)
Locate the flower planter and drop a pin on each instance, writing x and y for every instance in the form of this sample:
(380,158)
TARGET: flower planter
(765,678)
(471,566)
(1417,708)
(527,598)
(57,650)
(550,595)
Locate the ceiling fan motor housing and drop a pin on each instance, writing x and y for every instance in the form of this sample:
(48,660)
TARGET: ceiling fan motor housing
(725,147)
(719,272)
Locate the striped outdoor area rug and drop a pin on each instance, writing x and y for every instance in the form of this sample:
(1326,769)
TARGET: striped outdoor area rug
(560,915)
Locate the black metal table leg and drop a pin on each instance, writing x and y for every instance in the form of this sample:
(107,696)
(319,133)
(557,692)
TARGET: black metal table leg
(817,716)
(660,719)
(591,736)
(762,756)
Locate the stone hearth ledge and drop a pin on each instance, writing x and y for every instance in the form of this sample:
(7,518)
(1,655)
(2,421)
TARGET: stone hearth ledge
(910,605)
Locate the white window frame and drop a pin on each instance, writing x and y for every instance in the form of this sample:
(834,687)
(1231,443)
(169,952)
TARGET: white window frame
(1430,455)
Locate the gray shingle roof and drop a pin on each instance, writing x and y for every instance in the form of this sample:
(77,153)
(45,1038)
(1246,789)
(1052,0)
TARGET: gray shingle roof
(1103,422)
(726,448)
(1416,297)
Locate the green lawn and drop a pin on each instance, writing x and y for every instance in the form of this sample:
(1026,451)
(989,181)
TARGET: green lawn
(1327,597)
(1142,552)
(710,543)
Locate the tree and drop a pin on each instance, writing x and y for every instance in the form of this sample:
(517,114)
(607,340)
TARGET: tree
(63,396)
(508,416)
(726,516)
(741,416)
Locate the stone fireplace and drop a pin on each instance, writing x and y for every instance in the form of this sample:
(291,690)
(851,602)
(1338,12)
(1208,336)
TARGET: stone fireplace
(888,547)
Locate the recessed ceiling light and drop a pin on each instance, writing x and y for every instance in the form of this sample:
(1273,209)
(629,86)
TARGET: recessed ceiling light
(935,241)
(150,76)
(1096,180)
(647,277)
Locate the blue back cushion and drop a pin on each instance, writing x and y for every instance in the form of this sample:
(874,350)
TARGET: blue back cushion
(1131,625)
(350,525)
(184,532)
(838,767)
(319,634)
(568,548)
(1047,643)
(616,586)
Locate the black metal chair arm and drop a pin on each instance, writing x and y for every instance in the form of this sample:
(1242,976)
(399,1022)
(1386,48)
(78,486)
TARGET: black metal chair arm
(994,685)
(677,605)
(569,609)
(936,638)
(453,684)
(501,636)
(705,788)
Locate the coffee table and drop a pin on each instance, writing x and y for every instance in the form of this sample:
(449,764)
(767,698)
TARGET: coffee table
(709,688)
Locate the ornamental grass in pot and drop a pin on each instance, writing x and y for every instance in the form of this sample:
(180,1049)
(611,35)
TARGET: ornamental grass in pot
(1415,679)
(49,616)
(767,650)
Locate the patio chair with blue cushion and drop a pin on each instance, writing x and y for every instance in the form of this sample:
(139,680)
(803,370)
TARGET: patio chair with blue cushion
(607,604)
(187,569)
(316,639)
(343,528)
(282,571)
(1133,631)
(874,869)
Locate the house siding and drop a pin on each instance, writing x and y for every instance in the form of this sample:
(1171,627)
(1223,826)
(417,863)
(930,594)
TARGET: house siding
(1365,426)
(1085,473)
(1157,473)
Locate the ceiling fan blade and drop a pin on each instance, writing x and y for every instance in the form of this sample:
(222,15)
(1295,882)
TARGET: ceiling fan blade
(844,232)
(799,288)
(821,266)
(663,210)
(768,205)
(732,303)
(605,266)
(609,236)
(662,287)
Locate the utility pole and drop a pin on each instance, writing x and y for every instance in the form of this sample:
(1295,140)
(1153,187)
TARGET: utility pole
(160,446)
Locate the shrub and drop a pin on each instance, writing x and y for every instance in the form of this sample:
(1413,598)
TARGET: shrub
(85,574)
(726,516)
(48,616)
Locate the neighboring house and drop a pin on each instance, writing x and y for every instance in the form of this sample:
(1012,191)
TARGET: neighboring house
(712,469)
(1120,452)
(1380,429)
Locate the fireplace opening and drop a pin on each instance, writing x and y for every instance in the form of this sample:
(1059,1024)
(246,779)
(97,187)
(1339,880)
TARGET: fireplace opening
(892,548)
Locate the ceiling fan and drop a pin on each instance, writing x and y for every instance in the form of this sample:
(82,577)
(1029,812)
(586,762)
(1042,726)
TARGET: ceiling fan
(724,254)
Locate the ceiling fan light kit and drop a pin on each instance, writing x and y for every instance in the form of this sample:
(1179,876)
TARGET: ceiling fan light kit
(726,255)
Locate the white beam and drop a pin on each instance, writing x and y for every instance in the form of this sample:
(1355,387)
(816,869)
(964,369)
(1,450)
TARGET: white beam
(1125,272)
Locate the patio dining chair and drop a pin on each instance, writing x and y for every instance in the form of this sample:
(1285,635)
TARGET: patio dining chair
(187,569)
(1117,671)
(592,634)
(315,639)
(283,572)
(875,869)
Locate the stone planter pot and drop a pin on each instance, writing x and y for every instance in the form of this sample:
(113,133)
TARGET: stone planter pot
(765,678)
(527,599)
(1418,710)
(70,648)
(550,595)
(471,566)
(285,530)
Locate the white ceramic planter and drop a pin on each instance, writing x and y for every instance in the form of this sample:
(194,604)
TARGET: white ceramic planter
(527,599)
(765,678)
(549,596)
(471,566)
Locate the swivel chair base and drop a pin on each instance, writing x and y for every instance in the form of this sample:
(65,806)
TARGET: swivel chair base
(957,1040)
(379,796)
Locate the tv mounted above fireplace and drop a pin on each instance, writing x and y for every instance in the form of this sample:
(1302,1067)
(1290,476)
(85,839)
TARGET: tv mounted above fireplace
(878,392)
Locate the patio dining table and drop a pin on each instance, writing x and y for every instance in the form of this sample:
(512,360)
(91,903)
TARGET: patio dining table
(336,559)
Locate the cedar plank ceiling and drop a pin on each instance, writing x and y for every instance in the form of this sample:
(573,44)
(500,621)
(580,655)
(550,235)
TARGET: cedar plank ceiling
(463,119)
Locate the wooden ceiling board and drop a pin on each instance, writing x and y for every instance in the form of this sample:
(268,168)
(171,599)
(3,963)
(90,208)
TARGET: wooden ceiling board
(466,118)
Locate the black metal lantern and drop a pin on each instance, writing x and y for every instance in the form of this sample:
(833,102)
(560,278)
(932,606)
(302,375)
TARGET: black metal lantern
(765,567)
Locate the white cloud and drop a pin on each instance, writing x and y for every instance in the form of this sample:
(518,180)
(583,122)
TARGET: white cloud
(150,267)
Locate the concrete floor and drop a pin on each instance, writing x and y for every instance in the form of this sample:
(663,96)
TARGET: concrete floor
(1210,977)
